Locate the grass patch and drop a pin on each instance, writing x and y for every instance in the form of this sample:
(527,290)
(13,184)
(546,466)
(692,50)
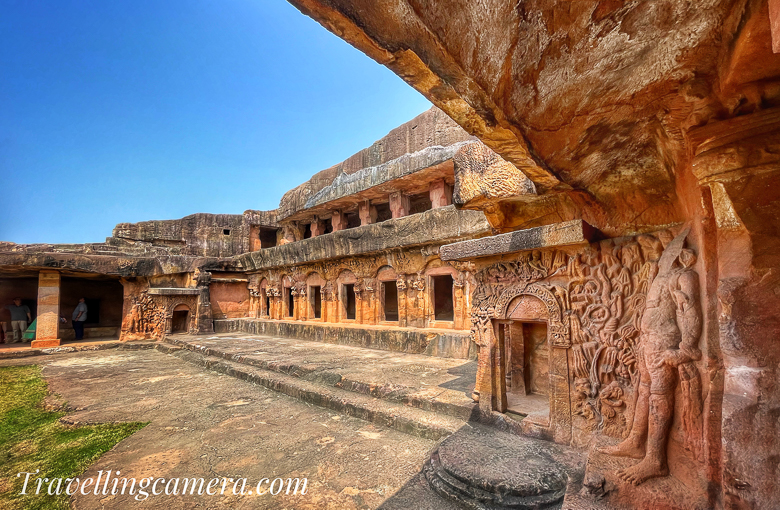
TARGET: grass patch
(32,438)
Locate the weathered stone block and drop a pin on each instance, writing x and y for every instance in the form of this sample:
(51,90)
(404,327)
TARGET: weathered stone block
(40,344)
(559,234)
(482,176)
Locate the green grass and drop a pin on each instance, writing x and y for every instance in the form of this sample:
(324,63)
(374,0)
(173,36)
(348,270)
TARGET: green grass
(32,438)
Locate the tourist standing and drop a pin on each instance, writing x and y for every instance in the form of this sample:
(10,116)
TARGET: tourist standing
(79,316)
(20,317)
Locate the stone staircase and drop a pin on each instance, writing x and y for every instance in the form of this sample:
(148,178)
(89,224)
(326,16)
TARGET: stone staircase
(474,465)
(422,412)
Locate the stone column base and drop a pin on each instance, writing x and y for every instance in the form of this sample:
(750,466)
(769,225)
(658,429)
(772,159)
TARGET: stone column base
(38,344)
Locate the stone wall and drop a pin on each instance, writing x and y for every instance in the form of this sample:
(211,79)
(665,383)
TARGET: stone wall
(208,235)
(444,344)
(410,270)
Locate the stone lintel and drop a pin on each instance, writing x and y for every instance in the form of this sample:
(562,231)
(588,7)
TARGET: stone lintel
(171,291)
(558,234)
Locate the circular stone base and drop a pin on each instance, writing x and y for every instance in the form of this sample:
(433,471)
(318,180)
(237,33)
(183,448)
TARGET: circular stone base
(489,470)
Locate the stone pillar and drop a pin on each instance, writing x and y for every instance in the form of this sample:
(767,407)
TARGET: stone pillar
(399,205)
(303,305)
(441,194)
(333,314)
(360,293)
(367,213)
(459,304)
(401,286)
(326,303)
(415,302)
(47,332)
(369,301)
(338,220)
(205,321)
(560,405)
(204,318)
(317,228)
(498,387)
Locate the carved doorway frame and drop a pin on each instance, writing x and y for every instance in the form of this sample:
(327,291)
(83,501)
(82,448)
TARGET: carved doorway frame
(559,427)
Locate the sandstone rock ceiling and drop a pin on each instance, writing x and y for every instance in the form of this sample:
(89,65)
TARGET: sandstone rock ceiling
(591,99)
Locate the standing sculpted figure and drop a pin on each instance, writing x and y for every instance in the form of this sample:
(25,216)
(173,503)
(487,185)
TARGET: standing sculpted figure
(668,345)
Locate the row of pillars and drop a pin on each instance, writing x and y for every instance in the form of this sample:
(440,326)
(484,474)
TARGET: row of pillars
(400,205)
(414,307)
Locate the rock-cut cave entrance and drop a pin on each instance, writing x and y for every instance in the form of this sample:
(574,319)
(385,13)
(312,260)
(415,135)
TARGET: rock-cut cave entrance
(525,356)
(180,321)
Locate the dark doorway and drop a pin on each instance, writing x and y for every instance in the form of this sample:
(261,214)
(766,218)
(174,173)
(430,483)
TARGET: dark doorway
(267,303)
(383,212)
(390,301)
(93,311)
(316,301)
(267,237)
(104,298)
(32,304)
(180,322)
(349,300)
(290,301)
(443,309)
(353,220)
(420,203)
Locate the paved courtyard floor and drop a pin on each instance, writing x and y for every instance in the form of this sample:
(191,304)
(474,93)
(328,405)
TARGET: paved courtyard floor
(207,425)
(381,373)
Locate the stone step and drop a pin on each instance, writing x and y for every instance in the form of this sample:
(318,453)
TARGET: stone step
(12,351)
(434,399)
(389,414)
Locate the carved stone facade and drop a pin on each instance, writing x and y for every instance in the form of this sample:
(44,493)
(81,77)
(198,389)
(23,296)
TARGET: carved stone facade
(149,310)
(409,270)
(594,301)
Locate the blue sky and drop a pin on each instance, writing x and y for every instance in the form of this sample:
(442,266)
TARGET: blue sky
(137,110)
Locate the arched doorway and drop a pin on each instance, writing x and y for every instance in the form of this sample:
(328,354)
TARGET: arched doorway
(501,318)
(526,356)
(180,321)
(347,296)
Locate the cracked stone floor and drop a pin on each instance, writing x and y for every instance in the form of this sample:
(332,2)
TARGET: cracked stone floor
(203,424)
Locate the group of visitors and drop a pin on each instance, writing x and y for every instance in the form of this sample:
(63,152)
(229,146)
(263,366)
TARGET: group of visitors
(21,318)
